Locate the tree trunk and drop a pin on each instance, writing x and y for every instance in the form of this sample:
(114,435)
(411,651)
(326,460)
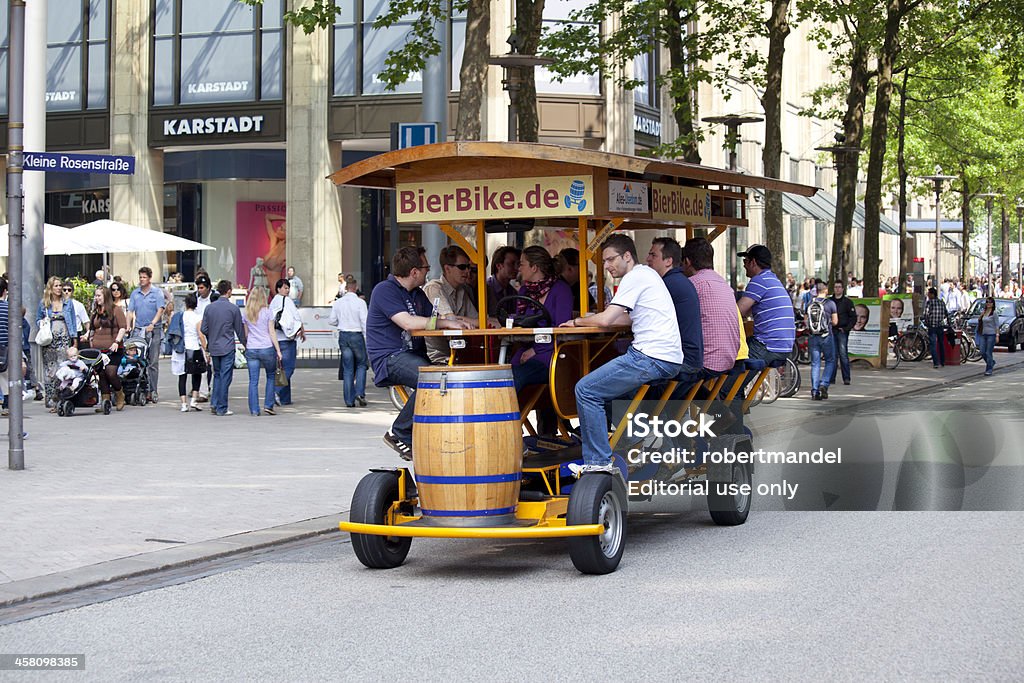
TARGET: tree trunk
(876,160)
(965,221)
(529,15)
(473,72)
(901,169)
(771,157)
(1004,257)
(684,108)
(846,183)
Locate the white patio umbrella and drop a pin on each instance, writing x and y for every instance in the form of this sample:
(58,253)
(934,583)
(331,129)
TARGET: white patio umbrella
(120,238)
(57,241)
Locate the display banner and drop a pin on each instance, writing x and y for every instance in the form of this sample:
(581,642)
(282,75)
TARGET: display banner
(866,335)
(466,200)
(628,196)
(680,204)
(901,310)
(260,244)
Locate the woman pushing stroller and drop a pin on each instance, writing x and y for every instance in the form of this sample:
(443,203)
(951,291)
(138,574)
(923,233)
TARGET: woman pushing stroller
(107,332)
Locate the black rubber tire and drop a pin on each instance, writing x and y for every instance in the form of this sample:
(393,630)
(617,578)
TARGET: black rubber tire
(373,497)
(731,510)
(789,379)
(598,498)
(912,347)
(60,409)
(69,409)
(107,407)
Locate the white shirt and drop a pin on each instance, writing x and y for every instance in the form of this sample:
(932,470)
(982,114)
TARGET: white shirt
(291,321)
(348,313)
(201,304)
(643,293)
(855,292)
(189,320)
(81,317)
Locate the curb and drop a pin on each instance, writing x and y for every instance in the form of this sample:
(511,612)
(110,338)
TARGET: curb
(61,583)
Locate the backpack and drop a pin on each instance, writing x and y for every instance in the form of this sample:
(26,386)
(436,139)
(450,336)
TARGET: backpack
(817,320)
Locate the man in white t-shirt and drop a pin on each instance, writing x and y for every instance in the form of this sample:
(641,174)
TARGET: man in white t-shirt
(656,354)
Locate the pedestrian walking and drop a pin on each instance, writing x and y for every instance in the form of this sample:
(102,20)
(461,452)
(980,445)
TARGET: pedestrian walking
(348,314)
(847,316)
(288,326)
(222,323)
(193,361)
(988,327)
(262,351)
(108,328)
(935,318)
(147,303)
(821,319)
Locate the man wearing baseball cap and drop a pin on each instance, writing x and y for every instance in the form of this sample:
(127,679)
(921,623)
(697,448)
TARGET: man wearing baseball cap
(768,301)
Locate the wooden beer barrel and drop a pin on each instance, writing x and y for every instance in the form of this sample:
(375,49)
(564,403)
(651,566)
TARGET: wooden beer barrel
(467,445)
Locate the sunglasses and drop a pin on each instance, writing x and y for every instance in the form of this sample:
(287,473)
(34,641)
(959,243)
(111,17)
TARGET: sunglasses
(462,266)
(68,289)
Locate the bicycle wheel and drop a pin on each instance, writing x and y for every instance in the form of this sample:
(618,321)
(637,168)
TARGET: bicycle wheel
(973,352)
(912,347)
(789,379)
(892,360)
(771,386)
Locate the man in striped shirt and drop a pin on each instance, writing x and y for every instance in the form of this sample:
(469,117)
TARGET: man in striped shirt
(768,301)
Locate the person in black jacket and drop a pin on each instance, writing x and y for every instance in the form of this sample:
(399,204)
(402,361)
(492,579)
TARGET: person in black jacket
(841,332)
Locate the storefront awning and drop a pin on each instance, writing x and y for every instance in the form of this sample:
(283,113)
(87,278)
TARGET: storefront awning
(822,207)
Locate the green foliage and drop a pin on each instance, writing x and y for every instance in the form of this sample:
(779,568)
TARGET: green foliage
(84,290)
(720,47)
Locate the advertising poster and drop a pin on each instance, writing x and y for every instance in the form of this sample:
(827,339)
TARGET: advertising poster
(260,247)
(901,310)
(866,333)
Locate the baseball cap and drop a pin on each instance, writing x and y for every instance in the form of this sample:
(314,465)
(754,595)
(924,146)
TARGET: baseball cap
(759,253)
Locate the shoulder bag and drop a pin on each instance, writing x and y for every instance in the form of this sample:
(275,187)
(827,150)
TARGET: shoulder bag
(44,336)
(280,376)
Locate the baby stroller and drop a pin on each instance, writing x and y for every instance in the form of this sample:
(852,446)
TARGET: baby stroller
(134,371)
(84,392)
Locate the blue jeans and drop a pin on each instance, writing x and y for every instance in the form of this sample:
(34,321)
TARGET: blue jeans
(256,360)
(618,377)
(353,365)
(822,348)
(987,345)
(841,339)
(223,369)
(404,369)
(531,372)
(289,349)
(935,338)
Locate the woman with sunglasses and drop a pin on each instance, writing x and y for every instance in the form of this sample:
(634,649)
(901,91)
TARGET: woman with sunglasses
(63,324)
(985,337)
(119,295)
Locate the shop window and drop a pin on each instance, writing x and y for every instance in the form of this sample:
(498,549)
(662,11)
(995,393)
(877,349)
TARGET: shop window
(645,71)
(360,50)
(217,51)
(76,54)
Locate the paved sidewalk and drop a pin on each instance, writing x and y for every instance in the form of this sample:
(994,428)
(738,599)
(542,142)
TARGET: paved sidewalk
(104,497)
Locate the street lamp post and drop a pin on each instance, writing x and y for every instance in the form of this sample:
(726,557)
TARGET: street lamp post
(513,63)
(841,156)
(989,197)
(938,179)
(732,123)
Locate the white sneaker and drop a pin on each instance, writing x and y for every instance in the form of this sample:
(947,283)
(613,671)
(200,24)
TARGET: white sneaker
(184,407)
(193,405)
(579,470)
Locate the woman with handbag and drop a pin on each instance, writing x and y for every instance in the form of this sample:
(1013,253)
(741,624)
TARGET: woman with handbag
(195,359)
(262,351)
(56,329)
(106,333)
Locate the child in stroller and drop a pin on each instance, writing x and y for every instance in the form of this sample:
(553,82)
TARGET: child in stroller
(79,386)
(132,371)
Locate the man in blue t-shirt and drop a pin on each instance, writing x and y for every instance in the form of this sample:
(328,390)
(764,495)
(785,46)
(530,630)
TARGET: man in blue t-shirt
(397,307)
(768,301)
(665,257)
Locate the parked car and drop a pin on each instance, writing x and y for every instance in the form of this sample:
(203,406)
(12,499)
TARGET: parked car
(1011,321)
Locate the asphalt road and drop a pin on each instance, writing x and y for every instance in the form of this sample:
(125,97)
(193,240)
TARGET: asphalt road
(805,589)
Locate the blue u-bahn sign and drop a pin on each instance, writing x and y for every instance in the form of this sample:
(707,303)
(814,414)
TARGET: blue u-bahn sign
(79,163)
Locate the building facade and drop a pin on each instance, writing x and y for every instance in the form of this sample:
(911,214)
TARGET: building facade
(235,120)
